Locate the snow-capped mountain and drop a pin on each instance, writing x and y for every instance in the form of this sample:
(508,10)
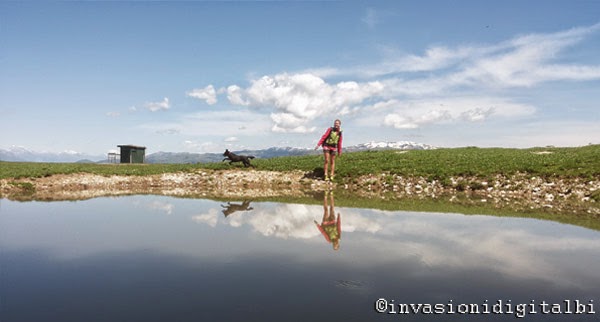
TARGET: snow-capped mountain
(400,145)
(16,153)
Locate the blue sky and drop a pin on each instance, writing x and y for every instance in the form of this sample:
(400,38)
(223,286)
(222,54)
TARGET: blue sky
(205,76)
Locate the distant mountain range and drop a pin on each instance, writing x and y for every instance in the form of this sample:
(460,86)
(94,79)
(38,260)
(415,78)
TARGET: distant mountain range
(17,153)
(25,155)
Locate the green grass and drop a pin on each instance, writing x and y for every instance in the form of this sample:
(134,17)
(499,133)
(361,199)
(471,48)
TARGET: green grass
(437,164)
(441,164)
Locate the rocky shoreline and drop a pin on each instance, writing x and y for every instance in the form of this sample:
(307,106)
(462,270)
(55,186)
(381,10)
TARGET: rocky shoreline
(519,192)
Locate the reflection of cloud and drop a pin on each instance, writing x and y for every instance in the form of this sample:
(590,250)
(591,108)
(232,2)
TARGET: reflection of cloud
(163,206)
(520,248)
(210,218)
(167,207)
(290,221)
(284,221)
(512,247)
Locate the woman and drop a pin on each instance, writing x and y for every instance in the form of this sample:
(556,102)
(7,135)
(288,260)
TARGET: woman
(332,145)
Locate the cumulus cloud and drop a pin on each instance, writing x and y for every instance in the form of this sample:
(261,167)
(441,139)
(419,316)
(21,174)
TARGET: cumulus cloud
(157,106)
(208,94)
(234,95)
(298,99)
(231,139)
(406,91)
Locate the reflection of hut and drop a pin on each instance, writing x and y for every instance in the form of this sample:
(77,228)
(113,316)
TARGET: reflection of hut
(132,153)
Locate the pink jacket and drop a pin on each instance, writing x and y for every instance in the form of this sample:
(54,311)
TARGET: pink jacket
(326,135)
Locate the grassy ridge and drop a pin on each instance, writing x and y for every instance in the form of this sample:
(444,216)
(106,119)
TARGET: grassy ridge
(443,163)
(435,164)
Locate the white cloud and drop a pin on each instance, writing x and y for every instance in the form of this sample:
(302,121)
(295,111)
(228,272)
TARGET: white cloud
(371,18)
(168,131)
(202,146)
(519,62)
(411,114)
(217,123)
(543,133)
(477,114)
(398,94)
(157,106)
(234,95)
(299,99)
(208,94)
(399,122)
(113,114)
(231,139)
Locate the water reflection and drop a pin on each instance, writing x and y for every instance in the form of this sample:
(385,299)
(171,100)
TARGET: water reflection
(231,207)
(148,258)
(331,225)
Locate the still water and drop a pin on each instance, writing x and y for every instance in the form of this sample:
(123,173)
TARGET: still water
(154,258)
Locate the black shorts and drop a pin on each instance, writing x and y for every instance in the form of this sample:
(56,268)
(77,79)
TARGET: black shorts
(331,149)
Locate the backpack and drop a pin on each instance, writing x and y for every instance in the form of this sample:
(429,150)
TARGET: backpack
(335,139)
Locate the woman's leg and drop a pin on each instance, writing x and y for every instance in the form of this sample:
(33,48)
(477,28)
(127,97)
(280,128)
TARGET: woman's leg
(326,165)
(325,209)
(332,164)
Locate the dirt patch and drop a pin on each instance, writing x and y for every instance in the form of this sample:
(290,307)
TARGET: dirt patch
(205,183)
(519,191)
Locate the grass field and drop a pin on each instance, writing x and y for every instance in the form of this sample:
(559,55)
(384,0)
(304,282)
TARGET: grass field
(436,164)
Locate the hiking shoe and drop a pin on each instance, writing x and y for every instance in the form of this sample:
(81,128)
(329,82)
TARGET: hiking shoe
(327,178)
(331,178)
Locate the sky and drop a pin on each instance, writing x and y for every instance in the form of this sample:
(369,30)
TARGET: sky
(203,76)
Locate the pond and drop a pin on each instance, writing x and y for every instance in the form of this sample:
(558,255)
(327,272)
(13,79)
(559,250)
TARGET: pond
(156,258)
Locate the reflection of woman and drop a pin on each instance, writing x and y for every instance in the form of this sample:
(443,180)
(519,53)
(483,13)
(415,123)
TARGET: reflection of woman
(330,227)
